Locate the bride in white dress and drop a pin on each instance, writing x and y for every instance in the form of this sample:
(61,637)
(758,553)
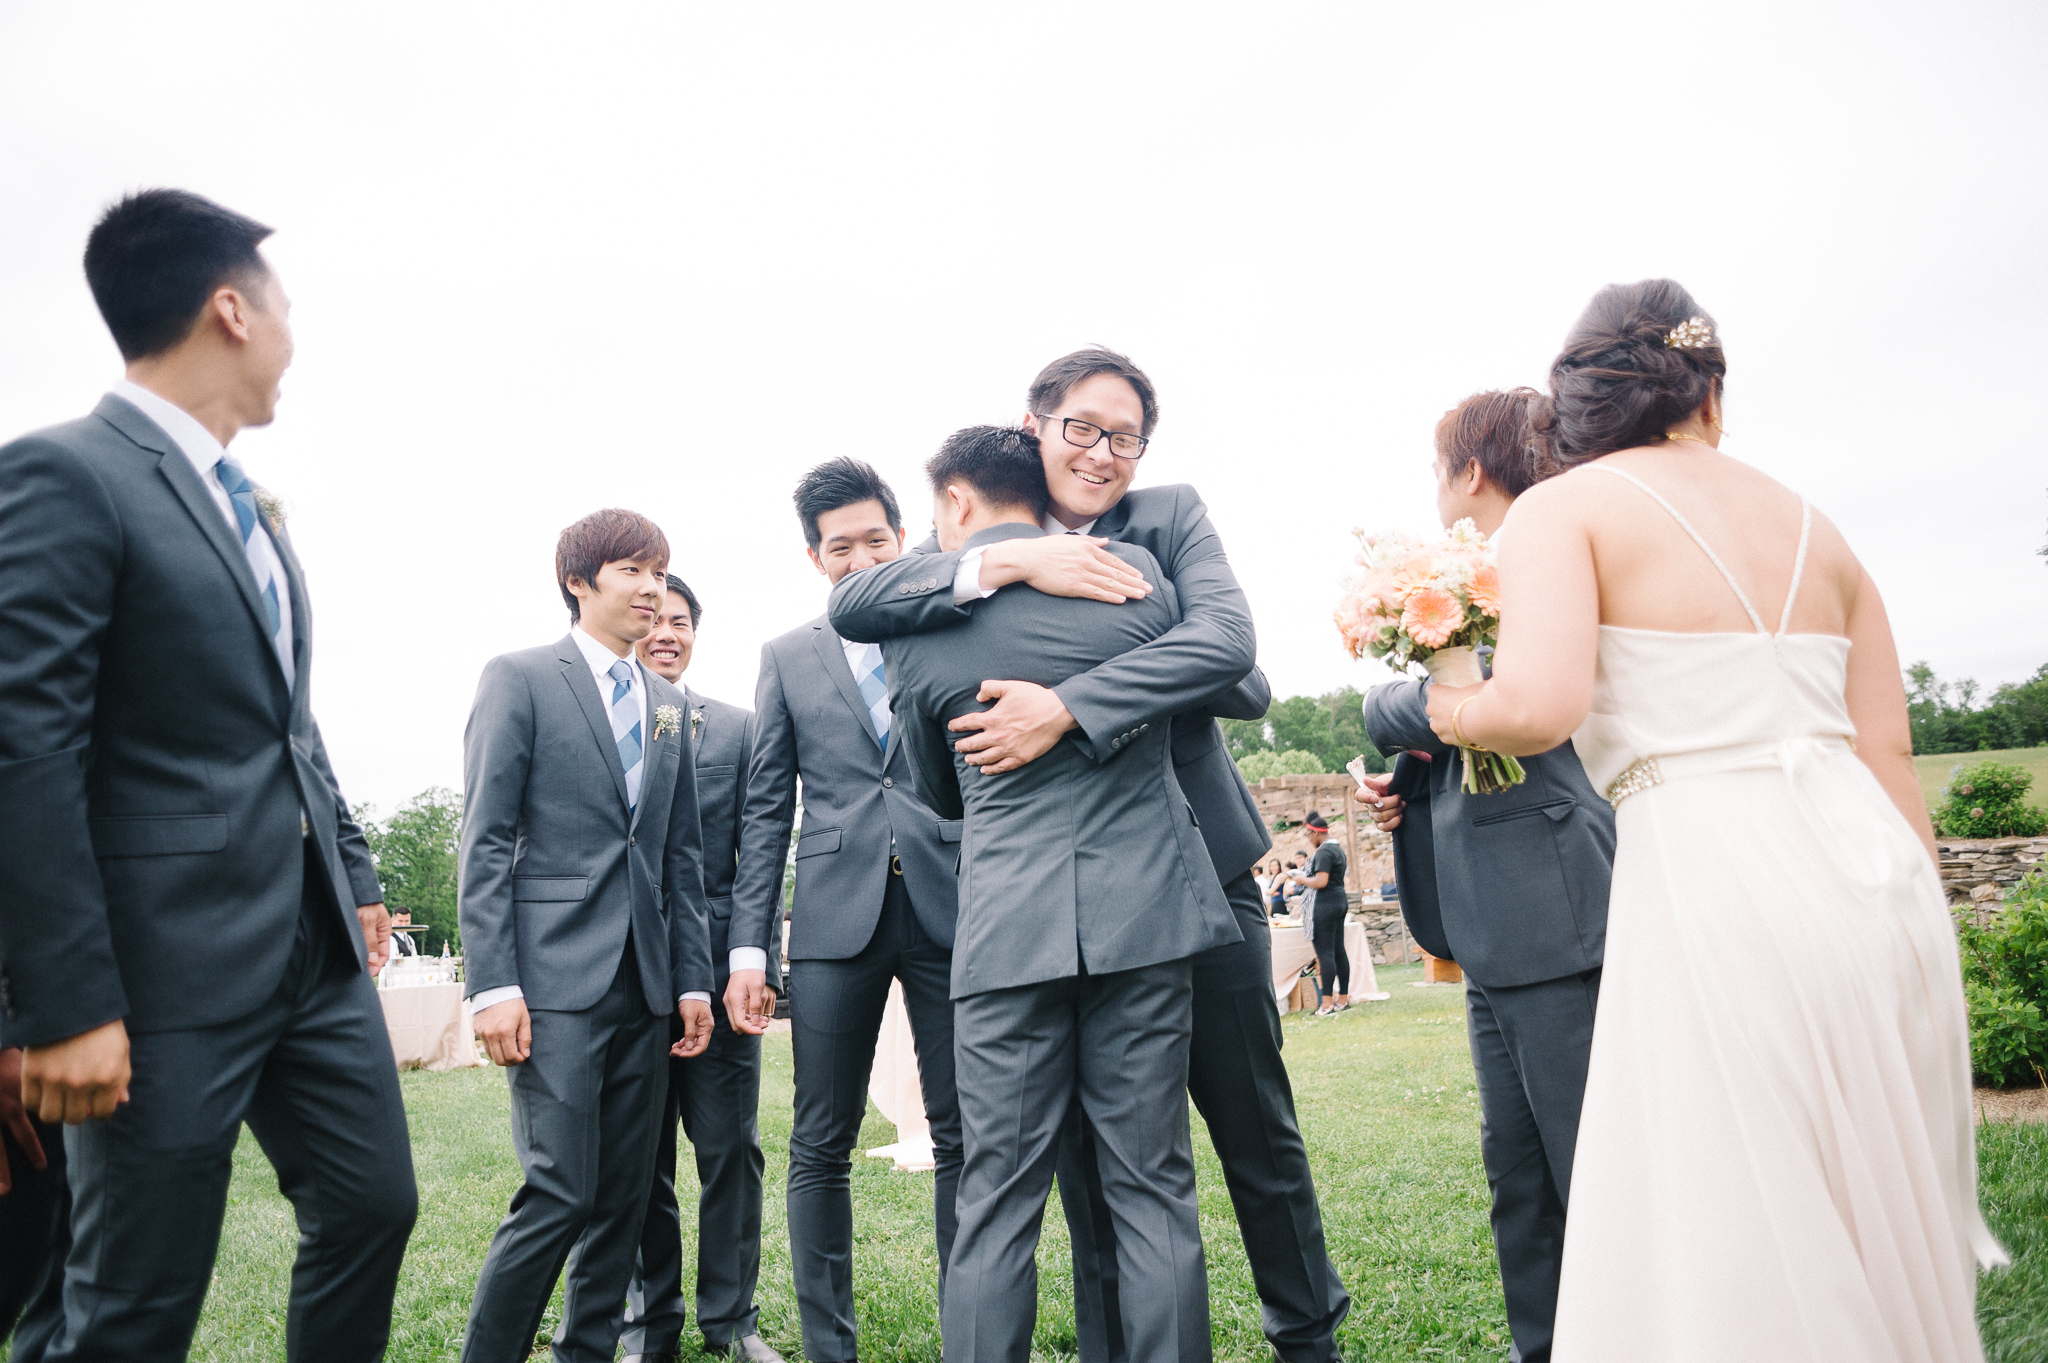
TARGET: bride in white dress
(1776,1156)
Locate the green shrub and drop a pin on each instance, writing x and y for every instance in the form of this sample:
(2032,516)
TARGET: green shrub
(1257,766)
(2005,979)
(1988,800)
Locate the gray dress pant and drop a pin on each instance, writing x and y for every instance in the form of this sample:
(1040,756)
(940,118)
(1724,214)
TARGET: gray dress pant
(586,1115)
(1239,1083)
(835,1015)
(718,1097)
(1530,1047)
(311,1072)
(1118,1045)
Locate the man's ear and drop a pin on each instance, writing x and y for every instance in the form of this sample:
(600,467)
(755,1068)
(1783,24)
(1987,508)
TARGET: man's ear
(231,308)
(816,562)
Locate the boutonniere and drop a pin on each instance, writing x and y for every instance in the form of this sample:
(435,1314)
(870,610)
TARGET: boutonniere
(667,719)
(272,506)
(696,721)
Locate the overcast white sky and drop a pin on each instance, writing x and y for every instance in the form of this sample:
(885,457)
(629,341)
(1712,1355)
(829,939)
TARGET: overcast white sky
(547,259)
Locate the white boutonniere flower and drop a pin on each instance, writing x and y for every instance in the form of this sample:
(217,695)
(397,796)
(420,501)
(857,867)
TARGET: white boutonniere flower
(696,721)
(667,719)
(272,506)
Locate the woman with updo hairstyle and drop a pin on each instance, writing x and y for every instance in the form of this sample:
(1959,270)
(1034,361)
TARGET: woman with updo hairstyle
(1776,1155)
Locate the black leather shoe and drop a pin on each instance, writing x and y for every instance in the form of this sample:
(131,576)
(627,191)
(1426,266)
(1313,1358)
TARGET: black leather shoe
(650,1358)
(750,1348)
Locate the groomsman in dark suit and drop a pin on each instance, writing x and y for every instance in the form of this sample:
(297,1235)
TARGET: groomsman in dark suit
(1094,413)
(166,803)
(1512,886)
(874,901)
(1085,890)
(583,929)
(718,1093)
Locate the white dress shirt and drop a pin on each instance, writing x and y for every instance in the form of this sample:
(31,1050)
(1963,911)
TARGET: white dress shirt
(199,447)
(600,658)
(967,580)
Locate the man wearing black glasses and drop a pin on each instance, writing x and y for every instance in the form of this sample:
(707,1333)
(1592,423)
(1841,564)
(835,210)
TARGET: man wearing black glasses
(1094,413)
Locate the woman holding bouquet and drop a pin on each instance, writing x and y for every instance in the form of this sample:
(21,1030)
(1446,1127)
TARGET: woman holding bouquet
(1775,1157)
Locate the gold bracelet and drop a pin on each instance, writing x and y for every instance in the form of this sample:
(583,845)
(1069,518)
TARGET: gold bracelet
(1458,734)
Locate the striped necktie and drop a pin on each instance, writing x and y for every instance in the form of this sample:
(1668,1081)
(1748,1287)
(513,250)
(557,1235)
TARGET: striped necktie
(626,728)
(243,495)
(874,689)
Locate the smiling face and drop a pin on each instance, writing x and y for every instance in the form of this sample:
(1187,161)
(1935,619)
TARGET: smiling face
(1086,483)
(618,610)
(666,649)
(854,537)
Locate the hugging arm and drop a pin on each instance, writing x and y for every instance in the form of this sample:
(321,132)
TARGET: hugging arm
(912,594)
(1249,699)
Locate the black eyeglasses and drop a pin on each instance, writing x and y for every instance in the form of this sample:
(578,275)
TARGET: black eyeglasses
(1087,435)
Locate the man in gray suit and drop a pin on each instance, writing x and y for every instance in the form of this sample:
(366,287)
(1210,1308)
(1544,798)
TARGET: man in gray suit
(1085,892)
(718,1093)
(1518,899)
(583,927)
(166,803)
(874,901)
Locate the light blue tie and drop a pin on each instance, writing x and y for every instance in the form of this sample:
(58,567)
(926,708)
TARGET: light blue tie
(874,689)
(236,484)
(626,728)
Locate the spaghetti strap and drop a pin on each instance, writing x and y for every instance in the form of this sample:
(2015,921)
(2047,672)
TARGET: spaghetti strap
(1798,564)
(1707,549)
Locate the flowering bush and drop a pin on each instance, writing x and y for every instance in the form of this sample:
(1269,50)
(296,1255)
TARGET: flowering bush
(1987,800)
(2005,979)
(1257,766)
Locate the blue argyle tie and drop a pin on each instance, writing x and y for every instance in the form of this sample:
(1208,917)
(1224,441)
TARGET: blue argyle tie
(249,521)
(626,728)
(874,689)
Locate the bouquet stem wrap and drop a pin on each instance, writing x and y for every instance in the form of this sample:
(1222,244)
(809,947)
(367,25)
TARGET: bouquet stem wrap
(1485,773)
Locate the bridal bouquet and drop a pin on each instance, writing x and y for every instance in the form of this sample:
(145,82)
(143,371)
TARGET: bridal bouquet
(1434,604)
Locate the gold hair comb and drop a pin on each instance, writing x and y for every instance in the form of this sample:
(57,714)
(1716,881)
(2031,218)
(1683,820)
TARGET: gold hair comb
(1691,334)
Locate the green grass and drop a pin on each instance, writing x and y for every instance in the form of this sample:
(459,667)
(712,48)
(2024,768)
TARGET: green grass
(1386,1100)
(1934,770)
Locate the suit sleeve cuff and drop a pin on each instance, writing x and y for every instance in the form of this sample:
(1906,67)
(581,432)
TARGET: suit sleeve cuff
(967,581)
(699,995)
(747,958)
(488,997)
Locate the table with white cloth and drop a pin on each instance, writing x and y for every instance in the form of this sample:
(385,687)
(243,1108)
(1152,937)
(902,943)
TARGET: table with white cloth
(1293,949)
(430,1026)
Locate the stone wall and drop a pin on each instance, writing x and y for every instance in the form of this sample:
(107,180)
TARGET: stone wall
(1284,801)
(1978,871)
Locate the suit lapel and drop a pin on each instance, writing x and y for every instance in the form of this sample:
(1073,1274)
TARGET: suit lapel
(832,657)
(651,751)
(576,674)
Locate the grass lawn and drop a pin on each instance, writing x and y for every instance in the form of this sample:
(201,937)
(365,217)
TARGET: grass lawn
(1386,1100)
(1936,768)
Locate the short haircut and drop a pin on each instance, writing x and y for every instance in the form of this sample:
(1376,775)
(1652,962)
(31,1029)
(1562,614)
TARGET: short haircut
(1499,429)
(841,482)
(999,462)
(605,537)
(682,589)
(157,256)
(1057,379)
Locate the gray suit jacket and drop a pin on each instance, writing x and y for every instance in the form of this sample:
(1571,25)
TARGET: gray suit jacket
(1521,876)
(1068,863)
(1201,670)
(553,870)
(153,763)
(723,742)
(811,722)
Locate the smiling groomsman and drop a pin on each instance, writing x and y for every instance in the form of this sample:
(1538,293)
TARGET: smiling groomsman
(718,1093)
(583,928)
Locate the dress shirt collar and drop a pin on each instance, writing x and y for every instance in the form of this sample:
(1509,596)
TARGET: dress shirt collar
(193,440)
(601,659)
(1053,525)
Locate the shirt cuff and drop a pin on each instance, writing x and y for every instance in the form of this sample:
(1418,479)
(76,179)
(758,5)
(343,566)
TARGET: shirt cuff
(967,581)
(486,998)
(747,958)
(697,994)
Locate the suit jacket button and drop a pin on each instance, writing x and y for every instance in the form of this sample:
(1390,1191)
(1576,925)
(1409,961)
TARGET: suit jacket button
(632,842)
(888,783)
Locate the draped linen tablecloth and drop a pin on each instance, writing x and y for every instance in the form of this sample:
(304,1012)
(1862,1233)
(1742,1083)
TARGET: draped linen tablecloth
(896,1090)
(430,1027)
(1293,950)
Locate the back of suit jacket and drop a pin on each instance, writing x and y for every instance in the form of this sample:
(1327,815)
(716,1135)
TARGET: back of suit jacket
(1067,863)
(811,721)
(722,738)
(154,763)
(554,869)
(1522,875)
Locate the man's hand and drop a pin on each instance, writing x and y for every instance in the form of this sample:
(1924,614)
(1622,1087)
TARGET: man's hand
(749,1002)
(14,1117)
(696,1028)
(376,935)
(507,1030)
(1386,809)
(1026,720)
(79,1079)
(1063,565)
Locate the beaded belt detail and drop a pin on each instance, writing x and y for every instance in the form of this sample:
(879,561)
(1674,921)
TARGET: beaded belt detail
(1639,777)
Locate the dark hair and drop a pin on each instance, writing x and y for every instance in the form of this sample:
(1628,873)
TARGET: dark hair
(157,256)
(1498,429)
(999,462)
(682,589)
(841,482)
(1617,383)
(1057,379)
(605,537)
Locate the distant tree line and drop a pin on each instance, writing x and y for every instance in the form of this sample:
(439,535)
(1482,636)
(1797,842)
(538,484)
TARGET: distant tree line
(415,852)
(1947,718)
(1303,735)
